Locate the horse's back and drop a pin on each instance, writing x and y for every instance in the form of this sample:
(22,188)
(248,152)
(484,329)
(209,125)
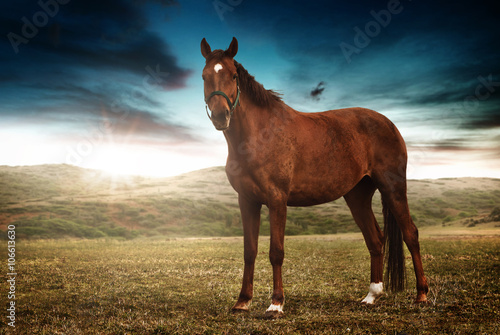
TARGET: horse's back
(361,121)
(337,148)
(354,130)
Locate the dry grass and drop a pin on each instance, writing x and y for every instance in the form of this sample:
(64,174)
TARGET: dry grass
(187,286)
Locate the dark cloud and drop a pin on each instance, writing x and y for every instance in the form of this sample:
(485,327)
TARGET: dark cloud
(130,113)
(484,119)
(91,57)
(454,144)
(426,55)
(104,35)
(485,123)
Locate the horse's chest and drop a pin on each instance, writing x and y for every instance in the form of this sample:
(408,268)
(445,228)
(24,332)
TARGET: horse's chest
(246,185)
(259,184)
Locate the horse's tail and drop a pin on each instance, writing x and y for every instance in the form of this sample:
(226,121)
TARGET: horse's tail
(395,275)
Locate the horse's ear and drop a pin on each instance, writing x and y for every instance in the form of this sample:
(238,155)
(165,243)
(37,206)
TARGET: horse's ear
(233,48)
(205,48)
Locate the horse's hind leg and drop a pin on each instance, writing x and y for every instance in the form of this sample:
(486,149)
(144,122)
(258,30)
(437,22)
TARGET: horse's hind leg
(359,200)
(393,191)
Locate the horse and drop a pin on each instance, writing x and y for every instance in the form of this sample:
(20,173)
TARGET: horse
(280,157)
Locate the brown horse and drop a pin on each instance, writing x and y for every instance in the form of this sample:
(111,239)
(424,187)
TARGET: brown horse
(280,157)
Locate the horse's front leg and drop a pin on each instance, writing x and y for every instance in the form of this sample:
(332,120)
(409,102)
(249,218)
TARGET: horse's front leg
(250,216)
(277,216)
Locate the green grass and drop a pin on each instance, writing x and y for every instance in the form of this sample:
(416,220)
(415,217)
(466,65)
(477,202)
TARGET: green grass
(186,286)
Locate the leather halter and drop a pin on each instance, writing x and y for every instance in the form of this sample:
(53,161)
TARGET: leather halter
(229,103)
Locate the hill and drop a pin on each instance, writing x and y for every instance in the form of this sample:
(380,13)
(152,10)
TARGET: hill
(53,201)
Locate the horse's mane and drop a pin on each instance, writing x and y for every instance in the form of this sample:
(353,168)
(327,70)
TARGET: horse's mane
(255,90)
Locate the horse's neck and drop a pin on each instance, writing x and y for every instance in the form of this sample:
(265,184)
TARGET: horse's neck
(252,124)
(246,122)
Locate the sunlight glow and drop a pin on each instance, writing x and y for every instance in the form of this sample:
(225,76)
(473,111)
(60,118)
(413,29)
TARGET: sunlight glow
(429,163)
(153,162)
(27,147)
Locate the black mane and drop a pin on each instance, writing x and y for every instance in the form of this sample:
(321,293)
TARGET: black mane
(255,90)
(252,88)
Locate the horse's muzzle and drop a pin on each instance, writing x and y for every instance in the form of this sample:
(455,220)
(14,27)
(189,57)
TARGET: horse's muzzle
(221,119)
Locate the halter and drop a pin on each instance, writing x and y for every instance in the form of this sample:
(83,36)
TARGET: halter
(232,105)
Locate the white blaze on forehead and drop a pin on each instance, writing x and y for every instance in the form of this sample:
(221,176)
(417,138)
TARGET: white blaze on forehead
(217,67)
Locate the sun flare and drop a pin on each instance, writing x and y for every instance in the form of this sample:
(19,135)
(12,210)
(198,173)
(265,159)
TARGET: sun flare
(152,162)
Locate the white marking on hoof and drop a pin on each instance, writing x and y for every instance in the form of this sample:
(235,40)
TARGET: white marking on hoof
(275,308)
(376,290)
(217,67)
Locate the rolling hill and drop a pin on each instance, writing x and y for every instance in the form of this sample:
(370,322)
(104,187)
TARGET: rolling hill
(54,201)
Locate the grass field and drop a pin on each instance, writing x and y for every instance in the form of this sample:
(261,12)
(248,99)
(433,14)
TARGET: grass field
(98,254)
(187,286)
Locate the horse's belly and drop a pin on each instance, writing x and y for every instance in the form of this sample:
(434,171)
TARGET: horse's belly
(325,181)
(315,194)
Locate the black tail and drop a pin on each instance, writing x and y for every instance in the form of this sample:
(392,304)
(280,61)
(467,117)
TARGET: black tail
(395,275)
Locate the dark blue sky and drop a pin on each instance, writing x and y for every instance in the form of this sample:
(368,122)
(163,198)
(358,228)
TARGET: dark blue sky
(117,84)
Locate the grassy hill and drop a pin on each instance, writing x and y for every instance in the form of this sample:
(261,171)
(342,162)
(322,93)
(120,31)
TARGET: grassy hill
(53,201)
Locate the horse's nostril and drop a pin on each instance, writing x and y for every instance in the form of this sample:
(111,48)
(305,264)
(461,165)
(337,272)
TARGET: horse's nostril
(227,113)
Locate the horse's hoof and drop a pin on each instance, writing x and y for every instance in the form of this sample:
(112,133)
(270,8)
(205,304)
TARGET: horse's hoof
(274,312)
(273,315)
(376,291)
(422,301)
(235,310)
(241,307)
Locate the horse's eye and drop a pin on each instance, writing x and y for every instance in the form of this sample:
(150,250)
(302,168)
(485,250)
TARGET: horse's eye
(234,76)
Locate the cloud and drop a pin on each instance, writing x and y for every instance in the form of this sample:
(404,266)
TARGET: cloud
(121,115)
(107,36)
(143,128)
(93,63)
(485,119)
(416,60)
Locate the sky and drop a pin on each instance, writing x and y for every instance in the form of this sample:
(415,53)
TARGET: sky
(116,85)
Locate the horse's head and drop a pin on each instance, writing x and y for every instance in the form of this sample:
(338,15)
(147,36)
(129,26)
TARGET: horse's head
(221,85)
